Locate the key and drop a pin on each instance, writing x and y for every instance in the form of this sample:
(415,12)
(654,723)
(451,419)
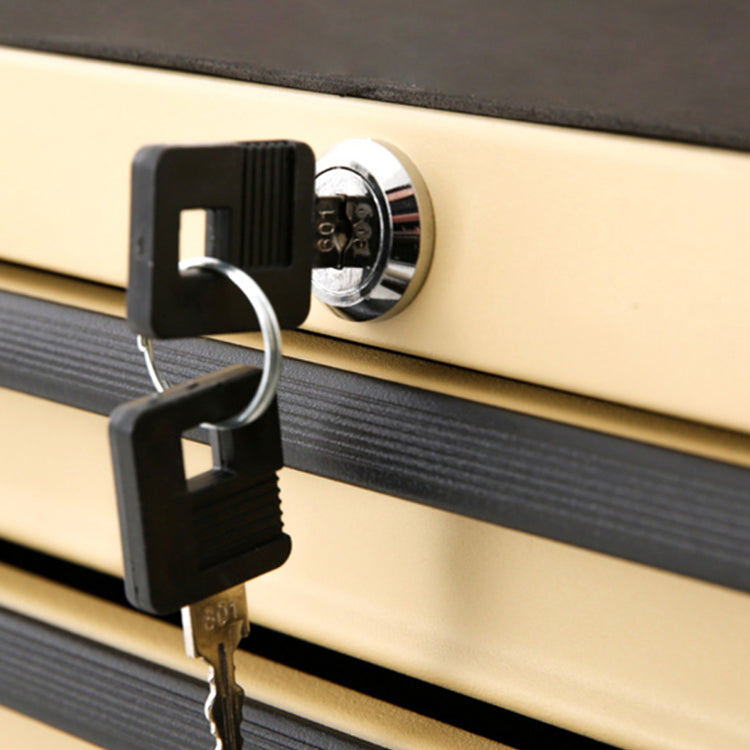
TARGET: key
(191,544)
(258,198)
(213,628)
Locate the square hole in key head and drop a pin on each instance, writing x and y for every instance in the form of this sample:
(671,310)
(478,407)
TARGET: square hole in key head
(197,457)
(193,233)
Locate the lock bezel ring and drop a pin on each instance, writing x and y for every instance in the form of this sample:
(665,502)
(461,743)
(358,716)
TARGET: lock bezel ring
(269,326)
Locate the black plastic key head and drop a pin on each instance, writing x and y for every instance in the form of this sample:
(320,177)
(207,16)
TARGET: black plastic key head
(258,198)
(186,539)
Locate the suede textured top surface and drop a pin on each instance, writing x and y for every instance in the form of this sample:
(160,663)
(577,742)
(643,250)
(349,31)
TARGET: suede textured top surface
(671,69)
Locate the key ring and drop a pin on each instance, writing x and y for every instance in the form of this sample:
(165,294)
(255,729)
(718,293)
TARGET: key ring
(269,326)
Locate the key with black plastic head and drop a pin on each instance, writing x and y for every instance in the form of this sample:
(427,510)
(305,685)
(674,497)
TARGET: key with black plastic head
(191,544)
(258,198)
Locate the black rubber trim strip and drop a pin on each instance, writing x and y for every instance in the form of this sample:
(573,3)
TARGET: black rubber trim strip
(435,702)
(667,509)
(121,702)
(673,69)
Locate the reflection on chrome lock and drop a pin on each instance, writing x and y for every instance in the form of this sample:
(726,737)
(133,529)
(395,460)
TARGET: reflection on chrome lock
(374,230)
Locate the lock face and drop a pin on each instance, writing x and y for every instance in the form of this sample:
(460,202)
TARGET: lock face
(373,230)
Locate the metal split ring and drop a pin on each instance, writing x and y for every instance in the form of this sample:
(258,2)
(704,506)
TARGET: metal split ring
(269,326)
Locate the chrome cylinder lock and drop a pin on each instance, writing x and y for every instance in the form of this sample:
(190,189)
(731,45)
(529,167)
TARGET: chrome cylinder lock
(373,230)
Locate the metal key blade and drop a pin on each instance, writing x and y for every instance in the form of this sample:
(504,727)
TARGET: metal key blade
(213,627)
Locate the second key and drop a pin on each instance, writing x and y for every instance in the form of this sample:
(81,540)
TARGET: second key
(191,543)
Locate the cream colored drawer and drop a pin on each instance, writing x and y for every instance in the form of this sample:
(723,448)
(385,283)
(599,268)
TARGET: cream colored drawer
(136,704)
(598,264)
(610,649)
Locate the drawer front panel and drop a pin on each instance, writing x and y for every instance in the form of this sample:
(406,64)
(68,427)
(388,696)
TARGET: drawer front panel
(598,264)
